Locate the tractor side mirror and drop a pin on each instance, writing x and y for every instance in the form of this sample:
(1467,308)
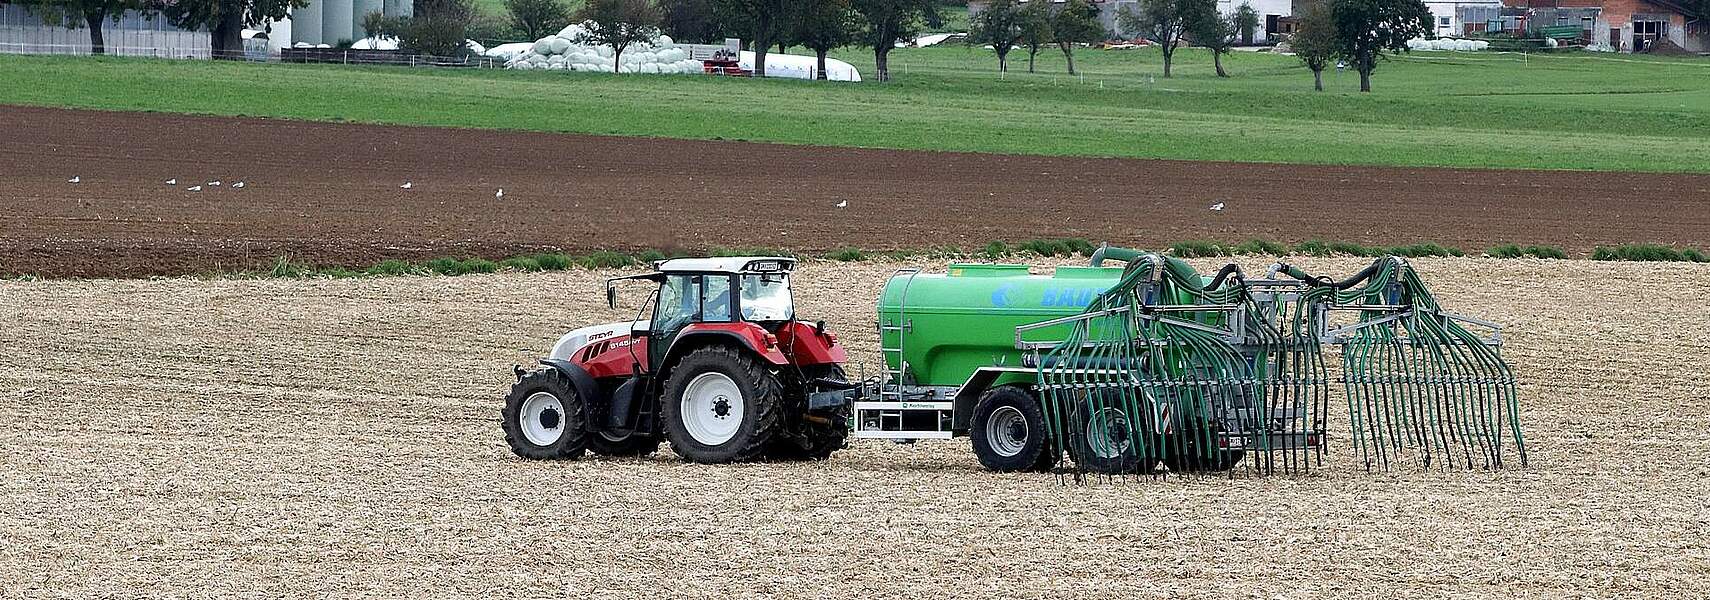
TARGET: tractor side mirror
(640,332)
(611,296)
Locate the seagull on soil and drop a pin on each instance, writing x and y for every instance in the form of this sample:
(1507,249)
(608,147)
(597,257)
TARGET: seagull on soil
(843,204)
(214,183)
(238,185)
(173,181)
(75,179)
(407,185)
(194,188)
(501,194)
(1218,206)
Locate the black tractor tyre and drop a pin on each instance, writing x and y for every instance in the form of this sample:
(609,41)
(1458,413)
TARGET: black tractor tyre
(806,437)
(634,444)
(1102,440)
(761,398)
(544,418)
(1022,442)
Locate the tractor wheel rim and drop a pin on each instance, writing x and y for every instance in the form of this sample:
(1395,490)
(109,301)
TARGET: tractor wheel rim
(542,419)
(712,408)
(1006,431)
(1108,433)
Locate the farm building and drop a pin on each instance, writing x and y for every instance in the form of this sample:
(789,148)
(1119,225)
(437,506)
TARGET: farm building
(333,21)
(1449,17)
(1622,25)
(133,34)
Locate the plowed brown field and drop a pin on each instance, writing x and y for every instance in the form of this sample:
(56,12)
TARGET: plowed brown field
(329,194)
(292,438)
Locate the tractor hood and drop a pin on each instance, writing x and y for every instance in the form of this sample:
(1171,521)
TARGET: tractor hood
(575,340)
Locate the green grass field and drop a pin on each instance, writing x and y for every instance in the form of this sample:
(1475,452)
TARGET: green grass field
(1568,111)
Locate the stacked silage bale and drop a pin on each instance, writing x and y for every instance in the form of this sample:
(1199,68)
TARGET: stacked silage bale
(570,50)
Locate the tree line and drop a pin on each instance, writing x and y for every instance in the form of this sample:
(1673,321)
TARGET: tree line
(1357,32)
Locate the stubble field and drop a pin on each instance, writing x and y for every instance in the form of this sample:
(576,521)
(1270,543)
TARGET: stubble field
(194,437)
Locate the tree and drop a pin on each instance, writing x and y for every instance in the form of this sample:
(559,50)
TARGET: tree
(1164,22)
(1367,29)
(766,21)
(1076,22)
(225,19)
(1246,21)
(886,22)
(537,18)
(438,27)
(617,24)
(1314,41)
(691,21)
(73,14)
(1214,31)
(998,26)
(1034,21)
(822,26)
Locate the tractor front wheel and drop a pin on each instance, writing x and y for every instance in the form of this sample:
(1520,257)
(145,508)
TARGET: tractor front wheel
(1008,431)
(544,419)
(720,405)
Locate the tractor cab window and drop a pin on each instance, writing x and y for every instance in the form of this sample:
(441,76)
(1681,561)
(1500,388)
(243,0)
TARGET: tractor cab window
(688,299)
(766,297)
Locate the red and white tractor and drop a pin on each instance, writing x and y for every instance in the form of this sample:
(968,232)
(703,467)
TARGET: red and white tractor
(722,369)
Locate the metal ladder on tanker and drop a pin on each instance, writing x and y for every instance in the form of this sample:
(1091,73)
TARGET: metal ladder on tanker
(888,409)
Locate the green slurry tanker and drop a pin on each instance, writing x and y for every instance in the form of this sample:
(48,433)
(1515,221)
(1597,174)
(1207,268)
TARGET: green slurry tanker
(1136,363)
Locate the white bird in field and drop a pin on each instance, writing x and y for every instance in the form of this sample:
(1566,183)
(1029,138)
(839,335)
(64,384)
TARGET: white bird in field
(501,194)
(407,185)
(843,204)
(238,185)
(75,179)
(214,183)
(194,188)
(1218,206)
(173,181)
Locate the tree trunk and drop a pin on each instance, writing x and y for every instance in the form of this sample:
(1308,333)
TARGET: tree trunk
(1031,52)
(97,41)
(1003,61)
(617,61)
(1217,60)
(1168,54)
(881,62)
(1069,55)
(1318,80)
(1365,79)
(227,35)
(821,76)
(782,47)
(760,60)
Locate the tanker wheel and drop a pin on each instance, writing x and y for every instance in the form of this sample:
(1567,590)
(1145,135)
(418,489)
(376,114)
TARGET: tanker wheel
(1190,456)
(1107,443)
(544,419)
(720,405)
(634,444)
(1008,431)
(809,439)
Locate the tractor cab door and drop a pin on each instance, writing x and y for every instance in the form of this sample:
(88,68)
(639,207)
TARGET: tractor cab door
(685,299)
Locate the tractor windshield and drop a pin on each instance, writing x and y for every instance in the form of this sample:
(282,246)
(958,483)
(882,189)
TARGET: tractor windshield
(766,297)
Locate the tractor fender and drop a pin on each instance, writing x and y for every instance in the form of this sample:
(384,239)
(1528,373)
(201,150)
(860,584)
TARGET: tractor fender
(742,335)
(984,379)
(809,344)
(586,388)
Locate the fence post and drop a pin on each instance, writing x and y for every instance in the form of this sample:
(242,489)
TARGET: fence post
(347,57)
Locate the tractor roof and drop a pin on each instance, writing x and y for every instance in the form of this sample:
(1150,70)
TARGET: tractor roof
(727,264)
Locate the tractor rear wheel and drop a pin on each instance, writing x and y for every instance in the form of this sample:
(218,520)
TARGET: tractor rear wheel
(720,405)
(634,444)
(810,437)
(543,417)
(1008,431)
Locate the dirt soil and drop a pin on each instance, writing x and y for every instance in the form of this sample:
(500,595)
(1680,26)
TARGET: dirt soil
(329,194)
(339,437)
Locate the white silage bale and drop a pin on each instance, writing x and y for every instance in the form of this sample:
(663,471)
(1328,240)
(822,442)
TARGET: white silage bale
(603,51)
(555,59)
(665,40)
(559,45)
(542,46)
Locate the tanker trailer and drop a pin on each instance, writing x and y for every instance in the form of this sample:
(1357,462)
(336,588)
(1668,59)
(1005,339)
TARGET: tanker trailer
(1125,369)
